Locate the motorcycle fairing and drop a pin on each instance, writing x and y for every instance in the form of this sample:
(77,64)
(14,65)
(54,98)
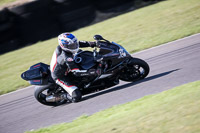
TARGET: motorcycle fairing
(87,61)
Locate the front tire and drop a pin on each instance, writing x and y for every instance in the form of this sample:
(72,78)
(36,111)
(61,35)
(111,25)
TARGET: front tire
(136,69)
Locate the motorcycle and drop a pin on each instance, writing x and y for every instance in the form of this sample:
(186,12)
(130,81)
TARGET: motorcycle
(110,59)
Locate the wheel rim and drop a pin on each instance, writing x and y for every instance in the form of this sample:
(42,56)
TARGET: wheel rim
(42,96)
(134,72)
(137,71)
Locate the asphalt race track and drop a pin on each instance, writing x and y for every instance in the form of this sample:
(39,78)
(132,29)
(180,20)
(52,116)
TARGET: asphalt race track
(171,64)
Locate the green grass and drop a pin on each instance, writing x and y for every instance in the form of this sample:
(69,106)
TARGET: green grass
(137,30)
(4,2)
(172,111)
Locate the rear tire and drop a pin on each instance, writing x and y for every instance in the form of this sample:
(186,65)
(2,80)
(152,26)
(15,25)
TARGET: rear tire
(41,96)
(136,69)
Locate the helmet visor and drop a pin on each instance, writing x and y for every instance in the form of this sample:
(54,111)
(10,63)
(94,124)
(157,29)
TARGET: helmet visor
(71,46)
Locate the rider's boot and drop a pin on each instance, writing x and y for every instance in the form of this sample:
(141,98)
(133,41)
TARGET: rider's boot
(74,94)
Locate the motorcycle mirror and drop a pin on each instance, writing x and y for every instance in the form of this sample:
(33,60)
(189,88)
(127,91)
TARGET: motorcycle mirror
(98,37)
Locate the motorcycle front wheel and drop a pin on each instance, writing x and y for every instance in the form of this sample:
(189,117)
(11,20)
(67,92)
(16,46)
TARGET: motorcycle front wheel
(136,69)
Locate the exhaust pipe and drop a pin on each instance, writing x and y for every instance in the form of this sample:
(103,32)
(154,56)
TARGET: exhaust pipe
(54,98)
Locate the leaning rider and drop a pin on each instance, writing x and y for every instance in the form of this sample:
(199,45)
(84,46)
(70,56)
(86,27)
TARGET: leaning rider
(63,62)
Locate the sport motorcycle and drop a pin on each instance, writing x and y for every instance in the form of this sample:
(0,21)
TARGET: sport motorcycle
(112,62)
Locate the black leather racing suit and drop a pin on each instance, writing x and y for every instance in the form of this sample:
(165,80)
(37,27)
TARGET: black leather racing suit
(62,63)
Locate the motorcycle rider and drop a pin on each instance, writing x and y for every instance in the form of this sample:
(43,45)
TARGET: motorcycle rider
(63,63)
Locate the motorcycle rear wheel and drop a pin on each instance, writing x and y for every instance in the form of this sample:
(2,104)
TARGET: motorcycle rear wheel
(136,69)
(41,92)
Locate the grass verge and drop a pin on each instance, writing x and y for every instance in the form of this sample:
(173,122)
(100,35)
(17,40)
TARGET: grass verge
(172,111)
(6,2)
(137,30)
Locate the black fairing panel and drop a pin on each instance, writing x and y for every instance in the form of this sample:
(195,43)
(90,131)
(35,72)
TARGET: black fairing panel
(108,49)
(87,60)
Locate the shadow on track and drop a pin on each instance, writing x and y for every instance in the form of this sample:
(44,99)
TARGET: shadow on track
(128,85)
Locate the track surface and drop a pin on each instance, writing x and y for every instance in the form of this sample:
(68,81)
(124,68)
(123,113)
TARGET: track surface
(171,64)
